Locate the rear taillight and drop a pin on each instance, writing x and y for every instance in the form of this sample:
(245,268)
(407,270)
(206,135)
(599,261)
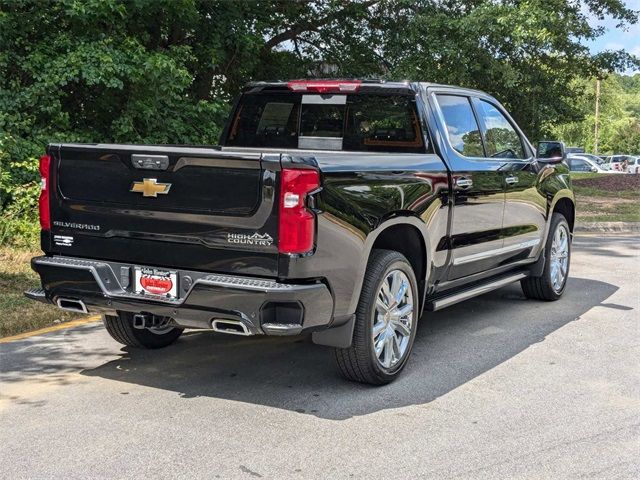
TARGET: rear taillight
(43,202)
(297,227)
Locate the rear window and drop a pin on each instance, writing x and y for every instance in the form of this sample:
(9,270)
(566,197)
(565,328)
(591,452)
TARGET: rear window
(462,127)
(383,123)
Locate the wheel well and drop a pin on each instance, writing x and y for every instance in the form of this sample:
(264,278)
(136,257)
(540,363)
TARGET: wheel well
(568,209)
(407,240)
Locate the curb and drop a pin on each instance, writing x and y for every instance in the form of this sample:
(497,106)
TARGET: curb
(608,227)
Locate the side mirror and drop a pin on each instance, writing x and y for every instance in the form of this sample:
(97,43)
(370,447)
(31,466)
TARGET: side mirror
(551,152)
(594,169)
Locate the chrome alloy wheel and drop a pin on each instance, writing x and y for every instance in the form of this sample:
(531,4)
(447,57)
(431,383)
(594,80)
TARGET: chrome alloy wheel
(393,319)
(559,264)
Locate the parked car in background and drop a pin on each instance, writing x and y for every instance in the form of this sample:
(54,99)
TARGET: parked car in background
(633,165)
(589,156)
(614,163)
(579,163)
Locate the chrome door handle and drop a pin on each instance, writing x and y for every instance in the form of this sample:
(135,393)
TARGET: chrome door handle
(464,182)
(511,180)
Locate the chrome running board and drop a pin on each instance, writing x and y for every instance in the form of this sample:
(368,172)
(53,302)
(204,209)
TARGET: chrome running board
(446,300)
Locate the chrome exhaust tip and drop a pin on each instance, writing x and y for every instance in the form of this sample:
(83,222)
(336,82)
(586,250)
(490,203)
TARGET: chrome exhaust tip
(232,327)
(72,305)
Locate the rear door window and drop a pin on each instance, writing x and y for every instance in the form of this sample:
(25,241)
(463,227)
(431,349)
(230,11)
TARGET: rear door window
(362,122)
(462,127)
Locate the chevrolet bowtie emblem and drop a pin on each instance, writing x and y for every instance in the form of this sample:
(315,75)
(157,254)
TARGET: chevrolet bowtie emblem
(149,187)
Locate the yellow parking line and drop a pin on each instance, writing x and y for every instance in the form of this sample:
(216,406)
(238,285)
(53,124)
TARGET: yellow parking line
(61,326)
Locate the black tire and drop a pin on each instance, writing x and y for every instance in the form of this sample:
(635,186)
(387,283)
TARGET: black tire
(121,329)
(541,288)
(359,362)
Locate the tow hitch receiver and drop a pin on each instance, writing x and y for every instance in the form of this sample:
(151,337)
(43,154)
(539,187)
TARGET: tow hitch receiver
(146,320)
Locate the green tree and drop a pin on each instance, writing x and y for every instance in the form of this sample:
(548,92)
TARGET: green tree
(165,71)
(627,138)
(619,116)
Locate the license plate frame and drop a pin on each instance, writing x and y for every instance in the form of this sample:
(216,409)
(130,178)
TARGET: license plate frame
(156,283)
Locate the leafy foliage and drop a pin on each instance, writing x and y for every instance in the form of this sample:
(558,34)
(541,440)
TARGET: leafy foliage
(619,124)
(165,71)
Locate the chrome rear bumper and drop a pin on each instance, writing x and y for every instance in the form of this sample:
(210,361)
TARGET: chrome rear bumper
(263,306)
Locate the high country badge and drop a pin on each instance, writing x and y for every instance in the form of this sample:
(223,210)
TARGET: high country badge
(263,240)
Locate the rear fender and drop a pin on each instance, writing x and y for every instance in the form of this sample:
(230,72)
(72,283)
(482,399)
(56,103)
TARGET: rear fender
(394,219)
(341,334)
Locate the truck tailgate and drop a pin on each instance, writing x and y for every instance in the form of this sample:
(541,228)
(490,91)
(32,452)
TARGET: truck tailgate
(187,207)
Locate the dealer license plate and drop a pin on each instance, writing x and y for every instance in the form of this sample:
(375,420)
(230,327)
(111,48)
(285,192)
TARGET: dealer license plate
(155,281)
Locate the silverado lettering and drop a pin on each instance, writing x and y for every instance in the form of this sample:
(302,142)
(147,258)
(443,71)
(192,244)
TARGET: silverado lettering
(78,226)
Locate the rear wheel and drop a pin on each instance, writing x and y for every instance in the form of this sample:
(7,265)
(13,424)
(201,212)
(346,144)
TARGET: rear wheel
(551,284)
(386,321)
(121,329)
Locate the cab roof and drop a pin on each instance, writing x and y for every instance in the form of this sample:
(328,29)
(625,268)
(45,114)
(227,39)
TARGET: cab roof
(367,84)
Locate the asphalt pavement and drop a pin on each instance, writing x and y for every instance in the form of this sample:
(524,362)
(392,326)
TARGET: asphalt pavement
(497,387)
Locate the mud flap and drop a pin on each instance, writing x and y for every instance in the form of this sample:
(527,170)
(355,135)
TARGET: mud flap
(338,337)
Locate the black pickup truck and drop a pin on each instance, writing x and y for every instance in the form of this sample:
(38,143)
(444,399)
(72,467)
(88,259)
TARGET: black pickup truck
(339,208)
